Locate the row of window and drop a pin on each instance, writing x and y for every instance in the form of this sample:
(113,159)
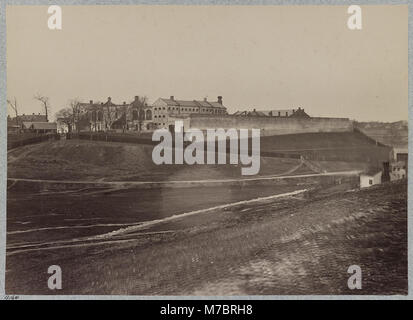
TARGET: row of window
(98,116)
(189,109)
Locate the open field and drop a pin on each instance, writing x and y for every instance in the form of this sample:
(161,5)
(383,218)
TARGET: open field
(291,245)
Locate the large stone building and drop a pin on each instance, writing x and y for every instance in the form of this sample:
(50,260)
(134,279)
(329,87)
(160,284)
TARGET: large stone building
(139,116)
(136,115)
(166,111)
(201,114)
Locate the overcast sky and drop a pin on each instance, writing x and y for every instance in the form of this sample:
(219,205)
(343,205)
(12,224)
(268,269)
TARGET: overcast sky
(264,57)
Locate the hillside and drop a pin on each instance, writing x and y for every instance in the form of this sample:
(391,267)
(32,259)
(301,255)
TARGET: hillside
(338,146)
(94,160)
(117,161)
(393,134)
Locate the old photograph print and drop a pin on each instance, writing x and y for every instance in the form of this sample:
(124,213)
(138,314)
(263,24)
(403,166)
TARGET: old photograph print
(207,150)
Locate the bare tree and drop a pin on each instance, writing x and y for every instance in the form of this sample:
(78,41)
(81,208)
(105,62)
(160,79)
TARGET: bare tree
(45,102)
(110,115)
(65,116)
(13,105)
(70,115)
(76,109)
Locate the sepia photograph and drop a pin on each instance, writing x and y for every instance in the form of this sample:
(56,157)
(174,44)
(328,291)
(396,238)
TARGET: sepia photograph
(206,150)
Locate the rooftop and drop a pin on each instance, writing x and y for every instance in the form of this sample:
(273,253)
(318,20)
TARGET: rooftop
(194,103)
(39,125)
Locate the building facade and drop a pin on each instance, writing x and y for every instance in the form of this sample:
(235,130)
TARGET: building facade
(398,170)
(166,111)
(104,116)
(139,116)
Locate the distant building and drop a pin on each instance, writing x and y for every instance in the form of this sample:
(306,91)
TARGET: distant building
(39,127)
(291,113)
(166,109)
(400,154)
(30,117)
(280,113)
(136,115)
(14,124)
(370,178)
(63,125)
(398,170)
(253,113)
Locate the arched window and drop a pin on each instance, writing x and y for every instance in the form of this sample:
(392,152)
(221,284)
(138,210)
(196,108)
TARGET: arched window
(135,114)
(141,115)
(148,115)
(100,116)
(93,115)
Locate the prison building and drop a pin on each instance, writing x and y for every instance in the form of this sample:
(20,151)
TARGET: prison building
(166,109)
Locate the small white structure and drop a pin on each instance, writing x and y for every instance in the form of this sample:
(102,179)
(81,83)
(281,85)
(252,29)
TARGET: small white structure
(370,178)
(62,127)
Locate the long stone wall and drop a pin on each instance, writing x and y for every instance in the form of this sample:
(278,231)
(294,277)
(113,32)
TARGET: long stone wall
(272,125)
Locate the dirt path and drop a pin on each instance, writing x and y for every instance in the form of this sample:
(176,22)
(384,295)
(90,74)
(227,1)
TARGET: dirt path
(133,227)
(134,183)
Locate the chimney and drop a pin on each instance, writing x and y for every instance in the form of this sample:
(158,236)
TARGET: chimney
(220,99)
(33,114)
(124,103)
(109,99)
(205,99)
(172,98)
(386,171)
(136,98)
(90,101)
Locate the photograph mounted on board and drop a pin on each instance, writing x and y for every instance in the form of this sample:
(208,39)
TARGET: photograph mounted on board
(207,150)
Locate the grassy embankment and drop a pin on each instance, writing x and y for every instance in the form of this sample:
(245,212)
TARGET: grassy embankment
(109,161)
